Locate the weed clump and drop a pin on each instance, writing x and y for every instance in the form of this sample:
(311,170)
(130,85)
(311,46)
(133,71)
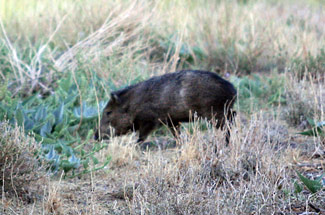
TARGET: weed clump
(298,111)
(310,65)
(19,164)
(207,177)
(303,105)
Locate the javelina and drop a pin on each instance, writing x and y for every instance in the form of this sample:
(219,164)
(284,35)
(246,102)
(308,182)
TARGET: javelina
(168,99)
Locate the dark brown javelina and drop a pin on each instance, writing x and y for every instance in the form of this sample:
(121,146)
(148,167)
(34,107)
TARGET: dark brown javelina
(168,99)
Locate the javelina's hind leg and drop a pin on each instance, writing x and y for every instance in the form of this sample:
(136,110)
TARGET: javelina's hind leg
(230,117)
(227,136)
(222,124)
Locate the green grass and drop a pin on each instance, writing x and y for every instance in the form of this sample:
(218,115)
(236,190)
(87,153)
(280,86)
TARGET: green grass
(257,92)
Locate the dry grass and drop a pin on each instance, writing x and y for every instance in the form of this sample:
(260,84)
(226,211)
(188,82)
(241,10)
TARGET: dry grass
(245,38)
(109,40)
(20,170)
(124,37)
(305,100)
(122,152)
(121,35)
(254,174)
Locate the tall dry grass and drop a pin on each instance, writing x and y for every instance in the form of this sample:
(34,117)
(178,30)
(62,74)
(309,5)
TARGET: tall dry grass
(217,35)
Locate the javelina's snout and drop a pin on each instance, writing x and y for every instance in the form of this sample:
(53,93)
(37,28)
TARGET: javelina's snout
(100,135)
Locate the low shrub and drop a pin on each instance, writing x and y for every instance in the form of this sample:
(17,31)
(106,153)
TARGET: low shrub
(20,164)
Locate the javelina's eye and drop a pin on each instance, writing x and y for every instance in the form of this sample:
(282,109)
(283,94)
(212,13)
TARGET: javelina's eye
(108,113)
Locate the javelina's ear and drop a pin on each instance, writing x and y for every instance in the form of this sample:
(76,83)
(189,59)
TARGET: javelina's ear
(115,98)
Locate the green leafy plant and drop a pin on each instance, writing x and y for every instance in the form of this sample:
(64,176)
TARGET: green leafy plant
(254,93)
(318,129)
(312,185)
(298,187)
(59,122)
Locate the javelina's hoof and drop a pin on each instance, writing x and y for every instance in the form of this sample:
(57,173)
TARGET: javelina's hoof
(158,144)
(148,145)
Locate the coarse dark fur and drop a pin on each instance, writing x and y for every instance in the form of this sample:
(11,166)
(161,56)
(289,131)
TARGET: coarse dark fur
(168,99)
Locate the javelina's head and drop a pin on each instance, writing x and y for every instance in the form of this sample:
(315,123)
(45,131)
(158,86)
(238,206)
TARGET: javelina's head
(115,115)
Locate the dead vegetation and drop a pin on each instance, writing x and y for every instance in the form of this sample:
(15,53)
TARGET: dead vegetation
(20,168)
(256,173)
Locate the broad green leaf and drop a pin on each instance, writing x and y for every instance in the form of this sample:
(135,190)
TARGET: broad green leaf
(72,129)
(95,160)
(60,127)
(66,83)
(96,147)
(30,100)
(74,160)
(37,126)
(66,150)
(4,108)
(70,100)
(44,140)
(58,147)
(82,153)
(40,114)
(53,158)
(3,89)
(19,117)
(66,165)
(66,133)
(88,112)
(311,132)
(318,130)
(72,163)
(90,135)
(312,185)
(51,155)
(28,123)
(46,129)
(108,159)
(6,113)
(298,187)
(58,114)
(85,163)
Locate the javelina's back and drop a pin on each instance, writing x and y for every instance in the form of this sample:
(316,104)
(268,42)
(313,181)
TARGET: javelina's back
(175,94)
(170,98)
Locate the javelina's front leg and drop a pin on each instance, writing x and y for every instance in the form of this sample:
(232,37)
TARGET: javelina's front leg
(175,129)
(144,130)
